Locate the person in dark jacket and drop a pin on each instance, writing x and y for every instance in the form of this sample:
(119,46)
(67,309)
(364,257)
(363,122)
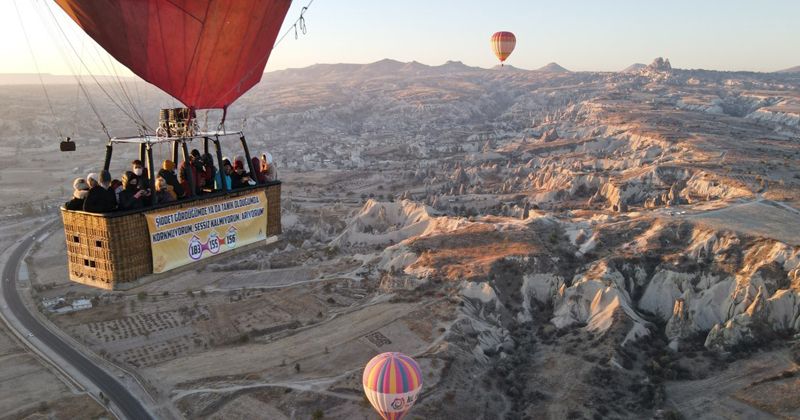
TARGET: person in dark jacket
(213,179)
(258,176)
(200,171)
(237,180)
(168,173)
(131,197)
(142,180)
(81,190)
(100,198)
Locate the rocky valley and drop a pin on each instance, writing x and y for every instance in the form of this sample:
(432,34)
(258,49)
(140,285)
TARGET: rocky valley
(547,244)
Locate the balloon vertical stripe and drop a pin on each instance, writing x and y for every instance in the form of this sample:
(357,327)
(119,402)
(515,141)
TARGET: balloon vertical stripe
(503,44)
(392,382)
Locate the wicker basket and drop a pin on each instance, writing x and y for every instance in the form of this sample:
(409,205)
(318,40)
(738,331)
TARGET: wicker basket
(106,250)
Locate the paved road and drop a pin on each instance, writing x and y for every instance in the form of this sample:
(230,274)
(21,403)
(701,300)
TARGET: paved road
(129,406)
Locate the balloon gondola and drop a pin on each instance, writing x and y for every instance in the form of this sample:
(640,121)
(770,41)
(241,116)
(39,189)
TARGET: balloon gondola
(67,145)
(205,54)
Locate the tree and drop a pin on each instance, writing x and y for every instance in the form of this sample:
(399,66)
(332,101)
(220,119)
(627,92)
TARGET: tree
(318,414)
(141,295)
(297,367)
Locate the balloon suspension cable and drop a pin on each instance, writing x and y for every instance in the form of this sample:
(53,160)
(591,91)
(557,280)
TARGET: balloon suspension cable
(36,65)
(301,22)
(111,98)
(221,126)
(81,86)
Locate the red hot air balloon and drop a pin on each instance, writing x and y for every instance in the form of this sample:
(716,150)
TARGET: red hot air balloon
(503,44)
(205,53)
(392,382)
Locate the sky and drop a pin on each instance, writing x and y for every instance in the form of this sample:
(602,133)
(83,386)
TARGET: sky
(581,35)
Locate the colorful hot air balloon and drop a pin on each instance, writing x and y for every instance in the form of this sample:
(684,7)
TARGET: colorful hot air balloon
(392,382)
(205,53)
(503,44)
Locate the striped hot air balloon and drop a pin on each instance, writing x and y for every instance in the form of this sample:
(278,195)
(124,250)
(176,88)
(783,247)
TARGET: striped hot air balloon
(503,44)
(392,382)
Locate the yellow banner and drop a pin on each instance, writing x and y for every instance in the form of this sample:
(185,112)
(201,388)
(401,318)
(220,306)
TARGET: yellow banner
(182,236)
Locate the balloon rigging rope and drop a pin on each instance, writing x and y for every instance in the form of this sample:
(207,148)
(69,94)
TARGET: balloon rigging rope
(81,86)
(111,98)
(299,23)
(36,65)
(122,86)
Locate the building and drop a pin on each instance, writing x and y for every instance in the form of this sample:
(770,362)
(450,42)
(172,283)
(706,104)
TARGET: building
(79,304)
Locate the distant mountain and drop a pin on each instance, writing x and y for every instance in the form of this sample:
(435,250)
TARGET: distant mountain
(53,79)
(507,67)
(455,66)
(795,69)
(634,68)
(378,69)
(553,68)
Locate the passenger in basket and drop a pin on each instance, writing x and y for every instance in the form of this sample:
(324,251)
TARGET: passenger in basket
(227,170)
(211,173)
(100,198)
(240,178)
(164,192)
(187,171)
(143,182)
(116,186)
(268,167)
(236,179)
(131,197)
(81,190)
(167,172)
(259,176)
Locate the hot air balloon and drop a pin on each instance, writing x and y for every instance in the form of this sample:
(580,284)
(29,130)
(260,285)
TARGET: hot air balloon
(503,44)
(392,382)
(206,54)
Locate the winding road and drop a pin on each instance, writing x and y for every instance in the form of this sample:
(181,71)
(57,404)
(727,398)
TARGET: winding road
(127,404)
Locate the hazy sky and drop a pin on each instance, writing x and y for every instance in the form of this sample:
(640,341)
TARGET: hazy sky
(578,34)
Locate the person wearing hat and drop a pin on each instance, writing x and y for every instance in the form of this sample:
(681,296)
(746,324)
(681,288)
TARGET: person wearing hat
(167,172)
(101,199)
(81,190)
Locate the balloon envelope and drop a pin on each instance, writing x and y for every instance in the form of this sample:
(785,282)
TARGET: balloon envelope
(503,44)
(205,53)
(392,382)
